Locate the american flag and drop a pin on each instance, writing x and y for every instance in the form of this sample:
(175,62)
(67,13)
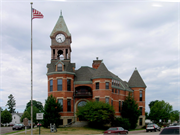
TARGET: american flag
(36,14)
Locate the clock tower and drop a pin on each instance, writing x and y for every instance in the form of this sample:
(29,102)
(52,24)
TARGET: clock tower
(60,41)
(60,71)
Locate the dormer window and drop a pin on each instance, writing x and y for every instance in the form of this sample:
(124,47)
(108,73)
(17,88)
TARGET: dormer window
(59,67)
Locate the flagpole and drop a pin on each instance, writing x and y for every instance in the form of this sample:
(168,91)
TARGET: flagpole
(31,76)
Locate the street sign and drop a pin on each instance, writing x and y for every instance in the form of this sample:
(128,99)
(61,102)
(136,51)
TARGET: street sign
(39,116)
(25,121)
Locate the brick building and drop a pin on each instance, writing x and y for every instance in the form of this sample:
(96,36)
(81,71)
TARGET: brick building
(73,88)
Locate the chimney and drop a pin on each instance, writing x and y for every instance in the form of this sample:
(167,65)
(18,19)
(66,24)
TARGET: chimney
(96,63)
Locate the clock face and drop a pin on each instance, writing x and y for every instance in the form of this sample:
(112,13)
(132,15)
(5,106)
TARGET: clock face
(60,38)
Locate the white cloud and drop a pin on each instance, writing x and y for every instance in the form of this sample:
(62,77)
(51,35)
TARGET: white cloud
(124,34)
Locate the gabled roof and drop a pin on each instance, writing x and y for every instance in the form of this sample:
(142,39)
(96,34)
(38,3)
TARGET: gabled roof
(84,73)
(136,80)
(59,62)
(68,67)
(18,114)
(60,26)
(102,72)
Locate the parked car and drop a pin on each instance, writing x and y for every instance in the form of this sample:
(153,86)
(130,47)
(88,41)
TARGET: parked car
(170,130)
(18,126)
(11,125)
(152,127)
(174,124)
(116,130)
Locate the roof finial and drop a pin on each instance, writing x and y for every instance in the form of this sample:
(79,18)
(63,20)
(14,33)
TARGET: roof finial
(135,68)
(61,13)
(96,58)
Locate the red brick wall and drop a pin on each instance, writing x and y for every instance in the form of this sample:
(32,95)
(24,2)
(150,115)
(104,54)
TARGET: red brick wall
(101,93)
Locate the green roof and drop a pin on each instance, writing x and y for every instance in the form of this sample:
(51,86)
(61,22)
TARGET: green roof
(60,26)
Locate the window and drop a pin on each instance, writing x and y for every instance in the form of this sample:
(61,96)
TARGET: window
(115,90)
(140,121)
(111,102)
(122,105)
(68,84)
(112,90)
(59,84)
(59,67)
(82,103)
(140,108)
(119,106)
(107,85)
(61,102)
(118,91)
(97,99)
(51,85)
(69,105)
(107,100)
(97,85)
(140,95)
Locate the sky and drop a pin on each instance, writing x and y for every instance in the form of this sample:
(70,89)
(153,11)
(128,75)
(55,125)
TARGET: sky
(125,34)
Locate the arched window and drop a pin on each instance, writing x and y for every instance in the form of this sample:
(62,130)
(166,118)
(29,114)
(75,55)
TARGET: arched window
(81,103)
(59,67)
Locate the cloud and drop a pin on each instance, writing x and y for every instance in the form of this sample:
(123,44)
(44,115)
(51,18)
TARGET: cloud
(124,34)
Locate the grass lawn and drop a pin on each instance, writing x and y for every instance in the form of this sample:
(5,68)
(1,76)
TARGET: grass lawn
(68,130)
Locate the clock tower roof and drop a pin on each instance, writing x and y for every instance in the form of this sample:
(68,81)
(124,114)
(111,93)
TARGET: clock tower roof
(60,27)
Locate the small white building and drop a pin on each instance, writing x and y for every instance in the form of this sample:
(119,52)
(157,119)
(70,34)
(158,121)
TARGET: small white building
(16,117)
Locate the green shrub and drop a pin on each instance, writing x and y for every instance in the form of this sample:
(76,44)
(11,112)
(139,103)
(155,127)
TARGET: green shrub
(96,113)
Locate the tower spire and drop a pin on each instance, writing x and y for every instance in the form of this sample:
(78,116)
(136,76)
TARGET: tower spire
(61,13)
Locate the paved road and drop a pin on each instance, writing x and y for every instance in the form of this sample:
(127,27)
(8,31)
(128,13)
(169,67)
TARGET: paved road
(143,132)
(4,130)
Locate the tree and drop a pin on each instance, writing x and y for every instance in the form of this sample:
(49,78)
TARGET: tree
(174,116)
(1,109)
(130,111)
(35,110)
(51,112)
(25,115)
(160,110)
(37,104)
(6,116)
(11,103)
(152,103)
(97,113)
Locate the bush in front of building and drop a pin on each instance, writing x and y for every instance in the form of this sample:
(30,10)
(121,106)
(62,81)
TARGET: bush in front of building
(51,112)
(121,122)
(96,113)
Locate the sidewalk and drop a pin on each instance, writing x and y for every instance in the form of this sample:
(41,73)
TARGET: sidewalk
(137,131)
